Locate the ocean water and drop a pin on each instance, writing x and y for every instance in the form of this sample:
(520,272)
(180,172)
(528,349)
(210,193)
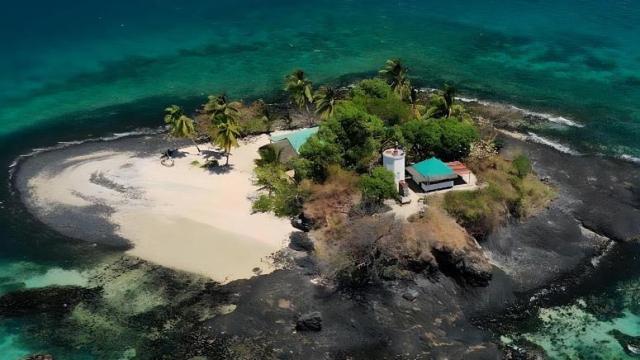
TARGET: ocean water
(72,70)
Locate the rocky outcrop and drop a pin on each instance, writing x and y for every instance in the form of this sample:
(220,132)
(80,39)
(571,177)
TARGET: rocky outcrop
(39,357)
(300,241)
(302,223)
(311,321)
(466,267)
(50,300)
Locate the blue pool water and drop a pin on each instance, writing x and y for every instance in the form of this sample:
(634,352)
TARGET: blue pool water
(76,69)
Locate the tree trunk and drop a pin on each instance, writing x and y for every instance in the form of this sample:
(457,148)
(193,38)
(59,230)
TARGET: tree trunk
(228,153)
(196,144)
(306,105)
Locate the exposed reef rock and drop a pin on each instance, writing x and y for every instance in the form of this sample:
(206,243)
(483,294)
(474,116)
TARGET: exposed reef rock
(630,344)
(48,300)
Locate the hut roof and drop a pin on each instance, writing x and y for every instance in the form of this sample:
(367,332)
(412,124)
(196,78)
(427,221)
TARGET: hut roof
(296,138)
(287,152)
(431,171)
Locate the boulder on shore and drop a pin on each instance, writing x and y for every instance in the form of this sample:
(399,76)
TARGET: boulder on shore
(311,321)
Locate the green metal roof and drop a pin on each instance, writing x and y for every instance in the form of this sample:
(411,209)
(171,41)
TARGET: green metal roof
(431,170)
(296,138)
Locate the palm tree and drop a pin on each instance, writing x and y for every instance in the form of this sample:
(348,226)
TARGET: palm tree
(264,114)
(225,135)
(300,89)
(220,110)
(180,125)
(396,75)
(325,100)
(441,105)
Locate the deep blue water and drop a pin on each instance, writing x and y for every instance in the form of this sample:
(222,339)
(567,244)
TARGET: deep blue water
(76,69)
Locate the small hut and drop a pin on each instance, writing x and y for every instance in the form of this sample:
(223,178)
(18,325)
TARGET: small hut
(432,174)
(288,144)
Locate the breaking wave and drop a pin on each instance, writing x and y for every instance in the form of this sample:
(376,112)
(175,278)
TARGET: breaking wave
(64,144)
(558,146)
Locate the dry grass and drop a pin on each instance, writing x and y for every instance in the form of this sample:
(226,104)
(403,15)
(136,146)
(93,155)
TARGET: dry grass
(329,204)
(507,193)
(368,249)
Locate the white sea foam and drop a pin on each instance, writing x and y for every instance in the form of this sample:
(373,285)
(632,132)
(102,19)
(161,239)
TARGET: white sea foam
(557,119)
(552,118)
(64,144)
(630,158)
(544,141)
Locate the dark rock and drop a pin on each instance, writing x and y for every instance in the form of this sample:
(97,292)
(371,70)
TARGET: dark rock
(630,344)
(51,300)
(411,294)
(39,357)
(311,321)
(463,266)
(302,223)
(300,241)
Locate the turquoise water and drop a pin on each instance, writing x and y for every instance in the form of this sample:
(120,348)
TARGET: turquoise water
(71,70)
(578,59)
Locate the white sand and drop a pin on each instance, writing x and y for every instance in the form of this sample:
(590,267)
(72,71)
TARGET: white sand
(183,217)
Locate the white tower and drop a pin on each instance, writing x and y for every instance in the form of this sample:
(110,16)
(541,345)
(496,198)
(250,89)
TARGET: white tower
(393,160)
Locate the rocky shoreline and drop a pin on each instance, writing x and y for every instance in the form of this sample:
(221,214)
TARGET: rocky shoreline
(537,262)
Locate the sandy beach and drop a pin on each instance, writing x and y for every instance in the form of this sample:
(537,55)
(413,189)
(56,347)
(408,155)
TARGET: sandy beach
(183,217)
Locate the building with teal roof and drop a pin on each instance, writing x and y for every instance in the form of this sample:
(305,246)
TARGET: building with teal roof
(432,174)
(288,145)
(296,138)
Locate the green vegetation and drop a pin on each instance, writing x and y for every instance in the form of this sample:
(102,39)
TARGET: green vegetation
(396,75)
(220,110)
(522,166)
(376,97)
(511,190)
(442,105)
(378,186)
(375,114)
(180,125)
(225,135)
(340,187)
(283,197)
(448,139)
(255,119)
(300,89)
(325,100)
(339,183)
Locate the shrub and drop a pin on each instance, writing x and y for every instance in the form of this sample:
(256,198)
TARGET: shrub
(448,139)
(481,154)
(522,166)
(253,126)
(376,97)
(355,134)
(456,138)
(423,138)
(506,194)
(372,88)
(262,204)
(254,119)
(362,251)
(480,212)
(316,155)
(378,186)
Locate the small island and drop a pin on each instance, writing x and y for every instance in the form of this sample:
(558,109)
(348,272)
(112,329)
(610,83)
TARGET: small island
(205,207)
(330,209)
